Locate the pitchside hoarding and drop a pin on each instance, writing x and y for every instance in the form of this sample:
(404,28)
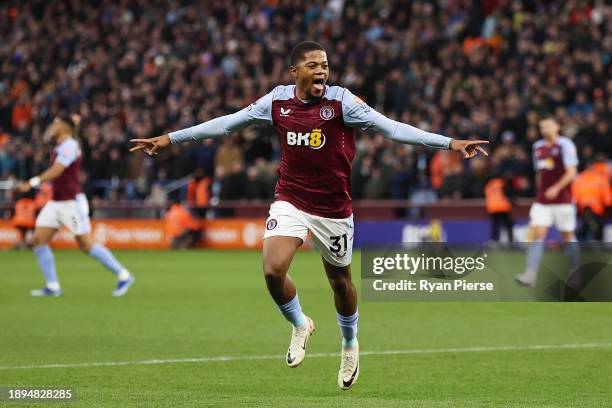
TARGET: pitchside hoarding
(151,234)
(473,232)
(247,233)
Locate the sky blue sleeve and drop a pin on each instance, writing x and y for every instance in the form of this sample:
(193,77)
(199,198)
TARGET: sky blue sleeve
(67,152)
(258,112)
(357,113)
(568,153)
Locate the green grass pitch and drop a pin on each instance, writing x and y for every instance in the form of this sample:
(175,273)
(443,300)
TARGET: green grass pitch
(208,304)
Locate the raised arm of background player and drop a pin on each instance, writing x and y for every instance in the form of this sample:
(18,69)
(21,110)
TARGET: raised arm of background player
(355,114)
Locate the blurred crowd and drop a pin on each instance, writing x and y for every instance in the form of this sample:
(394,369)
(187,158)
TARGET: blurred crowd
(463,68)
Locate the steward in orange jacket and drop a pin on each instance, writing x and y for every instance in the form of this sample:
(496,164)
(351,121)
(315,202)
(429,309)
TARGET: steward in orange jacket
(499,207)
(182,229)
(24,219)
(592,192)
(44,194)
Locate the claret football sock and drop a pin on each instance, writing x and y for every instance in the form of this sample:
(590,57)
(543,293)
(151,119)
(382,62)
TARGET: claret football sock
(106,258)
(46,262)
(348,328)
(293,312)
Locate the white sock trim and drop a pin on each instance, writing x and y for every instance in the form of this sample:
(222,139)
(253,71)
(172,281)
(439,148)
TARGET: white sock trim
(123,275)
(54,286)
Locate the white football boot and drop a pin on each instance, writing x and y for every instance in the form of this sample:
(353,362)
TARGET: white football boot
(297,347)
(526,279)
(123,285)
(349,367)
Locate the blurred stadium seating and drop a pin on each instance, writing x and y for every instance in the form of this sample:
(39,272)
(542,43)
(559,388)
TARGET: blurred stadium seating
(466,69)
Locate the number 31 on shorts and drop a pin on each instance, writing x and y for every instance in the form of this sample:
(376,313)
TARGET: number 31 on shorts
(338,243)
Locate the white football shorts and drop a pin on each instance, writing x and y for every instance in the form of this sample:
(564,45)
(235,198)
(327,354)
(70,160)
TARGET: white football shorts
(563,216)
(332,237)
(72,214)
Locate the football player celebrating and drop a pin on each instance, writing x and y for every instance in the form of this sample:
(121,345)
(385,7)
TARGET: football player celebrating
(316,124)
(556,164)
(69,208)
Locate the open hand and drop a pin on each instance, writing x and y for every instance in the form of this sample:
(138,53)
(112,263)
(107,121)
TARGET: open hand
(150,146)
(469,148)
(551,193)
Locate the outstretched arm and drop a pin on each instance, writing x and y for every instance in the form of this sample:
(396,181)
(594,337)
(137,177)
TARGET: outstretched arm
(257,112)
(357,114)
(213,128)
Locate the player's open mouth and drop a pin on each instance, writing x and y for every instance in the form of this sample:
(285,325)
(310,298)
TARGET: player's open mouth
(318,85)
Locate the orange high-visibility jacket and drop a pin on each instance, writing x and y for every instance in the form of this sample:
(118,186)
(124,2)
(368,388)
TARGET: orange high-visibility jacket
(197,192)
(591,189)
(25,213)
(178,220)
(495,197)
(44,194)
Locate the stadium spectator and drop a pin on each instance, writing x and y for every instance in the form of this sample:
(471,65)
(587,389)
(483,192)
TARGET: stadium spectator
(182,229)
(158,196)
(24,218)
(454,183)
(498,194)
(261,179)
(441,162)
(44,194)
(198,190)
(467,70)
(593,194)
(22,112)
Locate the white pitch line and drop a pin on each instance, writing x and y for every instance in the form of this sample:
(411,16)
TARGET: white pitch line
(311,355)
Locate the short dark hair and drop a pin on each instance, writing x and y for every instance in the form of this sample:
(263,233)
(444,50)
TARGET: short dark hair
(74,126)
(547,116)
(67,120)
(297,53)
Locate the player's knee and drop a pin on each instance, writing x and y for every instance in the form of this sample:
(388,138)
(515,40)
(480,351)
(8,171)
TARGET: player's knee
(274,270)
(539,233)
(341,285)
(37,241)
(85,247)
(568,237)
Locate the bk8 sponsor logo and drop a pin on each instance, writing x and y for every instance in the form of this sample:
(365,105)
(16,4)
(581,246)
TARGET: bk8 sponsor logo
(314,139)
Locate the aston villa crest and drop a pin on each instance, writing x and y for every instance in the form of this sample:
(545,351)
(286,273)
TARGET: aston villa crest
(326,113)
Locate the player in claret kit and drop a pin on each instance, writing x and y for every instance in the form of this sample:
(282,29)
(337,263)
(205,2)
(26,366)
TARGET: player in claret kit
(316,125)
(556,164)
(68,207)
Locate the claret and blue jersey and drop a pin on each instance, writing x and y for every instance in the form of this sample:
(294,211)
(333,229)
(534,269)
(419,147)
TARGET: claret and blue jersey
(318,143)
(66,186)
(550,161)
(318,148)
